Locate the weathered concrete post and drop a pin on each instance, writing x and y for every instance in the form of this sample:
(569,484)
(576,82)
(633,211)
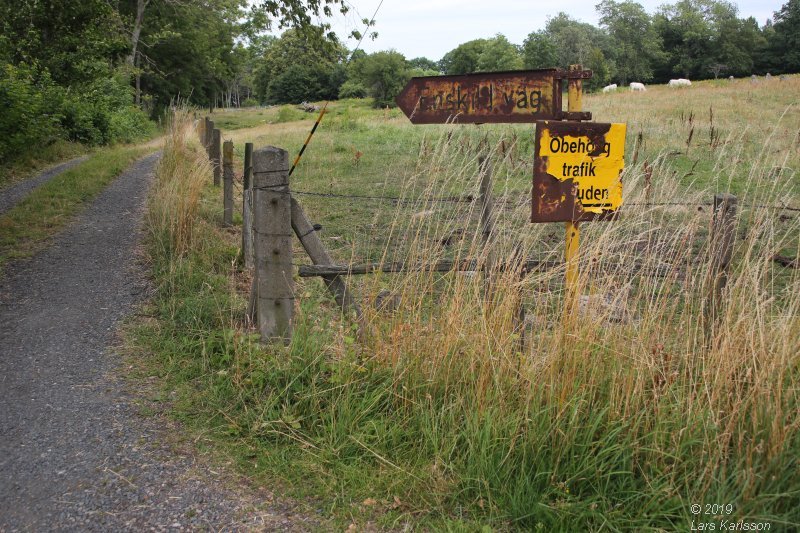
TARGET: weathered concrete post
(723,235)
(227,177)
(274,305)
(247,207)
(201,131)
(216,142)
(209,136)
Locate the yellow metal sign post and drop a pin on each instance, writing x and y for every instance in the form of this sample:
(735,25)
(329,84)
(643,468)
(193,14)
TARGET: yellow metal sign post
(573,232)
(576,178)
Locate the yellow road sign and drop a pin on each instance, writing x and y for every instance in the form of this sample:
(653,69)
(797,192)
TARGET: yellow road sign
(577,171)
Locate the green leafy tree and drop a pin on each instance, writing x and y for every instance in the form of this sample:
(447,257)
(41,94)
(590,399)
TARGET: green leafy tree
(296,48)
(499,54)
(736,46)
(296,84)
(187,51)
(539,51)
(463,59)
(384,74)
(687,38)
(575,40)
(764,59)
(785,41)
(602,70)
(29,116)
(706,37)
(418,72)
(73,41)
(423,63)
(352,89)
(637,46)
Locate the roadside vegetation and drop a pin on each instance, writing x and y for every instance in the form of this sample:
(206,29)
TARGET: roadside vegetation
(429,413)
(26,227)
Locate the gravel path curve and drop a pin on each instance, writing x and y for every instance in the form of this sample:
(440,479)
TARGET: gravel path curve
(11,196)
(75,455)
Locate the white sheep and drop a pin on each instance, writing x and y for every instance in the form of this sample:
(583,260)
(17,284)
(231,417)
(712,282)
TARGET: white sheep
(636,86)
(680,82)
(609,88)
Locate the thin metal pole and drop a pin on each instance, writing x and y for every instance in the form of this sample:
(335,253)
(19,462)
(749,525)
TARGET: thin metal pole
(573,232)
(308,139)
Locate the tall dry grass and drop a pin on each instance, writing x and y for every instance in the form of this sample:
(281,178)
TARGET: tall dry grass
(175,198)
(619,415)
(705,415)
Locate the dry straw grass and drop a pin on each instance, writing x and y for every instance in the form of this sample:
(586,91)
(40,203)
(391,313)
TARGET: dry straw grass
(636,348)
(622,412)
(175,198)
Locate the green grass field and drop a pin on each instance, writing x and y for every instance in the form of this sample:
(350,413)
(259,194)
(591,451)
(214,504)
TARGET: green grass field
(432,414)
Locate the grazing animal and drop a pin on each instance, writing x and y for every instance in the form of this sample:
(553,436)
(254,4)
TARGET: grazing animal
(636,86)
(609,88)
(768,76)
(680,82)
(753,79)
(784,77)
(730,78)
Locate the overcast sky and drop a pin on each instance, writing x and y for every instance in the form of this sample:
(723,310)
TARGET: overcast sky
(431,28)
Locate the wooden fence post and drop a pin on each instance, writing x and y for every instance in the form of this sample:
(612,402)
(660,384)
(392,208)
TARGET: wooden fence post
(313,246)
(227,179)
(274,302)
(247,207)
(216,141)
(722,237)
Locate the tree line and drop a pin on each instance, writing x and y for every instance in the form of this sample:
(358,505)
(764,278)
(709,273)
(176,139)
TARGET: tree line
(97,71)
(695,39)
(101,71)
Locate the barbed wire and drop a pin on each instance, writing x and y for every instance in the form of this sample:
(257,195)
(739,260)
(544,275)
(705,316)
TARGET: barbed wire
(471,198)
(238,181)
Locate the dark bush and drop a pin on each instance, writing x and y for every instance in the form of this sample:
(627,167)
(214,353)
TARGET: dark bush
(29,117)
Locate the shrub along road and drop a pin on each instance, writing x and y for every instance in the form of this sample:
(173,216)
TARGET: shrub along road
(74,453)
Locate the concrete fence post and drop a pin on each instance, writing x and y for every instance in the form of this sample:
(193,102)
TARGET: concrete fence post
(247,206)
(216,142)
(201,131)
(227,178)
(209,136)
(274,301)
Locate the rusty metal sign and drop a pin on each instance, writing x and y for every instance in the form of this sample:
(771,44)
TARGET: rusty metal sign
(514,96)
(577,171)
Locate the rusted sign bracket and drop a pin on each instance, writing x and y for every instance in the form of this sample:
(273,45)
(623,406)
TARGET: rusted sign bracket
(573,113)
(582,74)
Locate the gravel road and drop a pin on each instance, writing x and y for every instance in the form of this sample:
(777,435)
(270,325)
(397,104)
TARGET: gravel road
(11,196)
(75,455)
